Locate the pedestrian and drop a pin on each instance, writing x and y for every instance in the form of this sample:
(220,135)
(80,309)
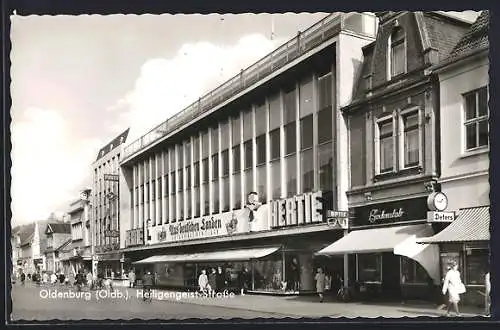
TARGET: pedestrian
(454,287)
(23,278)
(203,281)
(320,283)
(131,278)
(295,272)
(45,278)
(487,292)
(220,279)
(212,280)
(53,278)
(90,282)
(147,284)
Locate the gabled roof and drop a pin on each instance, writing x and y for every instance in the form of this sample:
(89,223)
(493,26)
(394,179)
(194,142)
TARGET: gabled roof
(63,245)
(58,228)
(26,233)
(120,139)
(475,38)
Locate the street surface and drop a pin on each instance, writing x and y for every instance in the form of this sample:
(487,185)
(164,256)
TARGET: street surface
(54,302)
(28,305)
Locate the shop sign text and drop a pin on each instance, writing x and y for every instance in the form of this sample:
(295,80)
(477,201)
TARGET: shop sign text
(376,215)
(435,216)
(302,209)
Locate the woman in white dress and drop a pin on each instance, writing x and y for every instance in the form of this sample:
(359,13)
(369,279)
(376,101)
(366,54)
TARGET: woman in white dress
(454,287)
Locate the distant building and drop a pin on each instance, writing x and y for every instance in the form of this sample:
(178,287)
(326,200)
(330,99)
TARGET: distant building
(77,255)
(106,205)
(58,236)
(30,243)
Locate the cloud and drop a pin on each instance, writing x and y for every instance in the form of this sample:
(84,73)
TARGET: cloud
(49,164)
(168,85)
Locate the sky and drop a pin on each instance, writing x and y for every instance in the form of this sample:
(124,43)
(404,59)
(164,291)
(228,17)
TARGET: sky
(79,81)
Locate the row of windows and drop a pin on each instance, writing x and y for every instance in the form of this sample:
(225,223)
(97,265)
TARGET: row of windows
(228,153)
(404,130)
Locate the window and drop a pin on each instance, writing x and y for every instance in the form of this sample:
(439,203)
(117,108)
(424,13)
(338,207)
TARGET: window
(77,231)
(276,179)
(248,154)
(476,119)
(236,130)
(260,119)
(289,106)
(412,272)
(262,183)
(274,137)
(216,198)
(247,125)
(196,149)
(196,174)
(237,191)
(274,112)
(385,145)
(476,265)
(224,134)
(215,167)
(290,138)
(215,140)
(204,144)
(291,176)
(411,139)
(261,149)
(306,132)
(225,162)
(325,125)
(398,52)
(204,178)
(236,159)
(306,98)
(307,169)
(369,267)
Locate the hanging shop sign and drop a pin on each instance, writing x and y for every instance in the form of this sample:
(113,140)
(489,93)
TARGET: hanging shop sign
(248,219)
(111,233)
(134,237)
(111,177)
(392,212)
(435,216)
(297,210)
(337,219)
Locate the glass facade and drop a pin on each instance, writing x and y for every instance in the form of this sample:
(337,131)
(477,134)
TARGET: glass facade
(280,145)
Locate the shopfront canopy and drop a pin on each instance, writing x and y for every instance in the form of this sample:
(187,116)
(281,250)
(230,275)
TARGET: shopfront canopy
(227,255)
(401,240)
(471,225)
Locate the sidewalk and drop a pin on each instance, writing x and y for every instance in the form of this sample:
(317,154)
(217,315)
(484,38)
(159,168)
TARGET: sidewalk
(309,306)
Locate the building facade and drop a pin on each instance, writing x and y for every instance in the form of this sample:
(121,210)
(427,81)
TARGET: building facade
(58,236)
(77,255)
(394,157)
(105,202)
(463,79)
(244,179)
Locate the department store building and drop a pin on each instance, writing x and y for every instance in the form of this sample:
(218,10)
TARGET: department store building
(253,176)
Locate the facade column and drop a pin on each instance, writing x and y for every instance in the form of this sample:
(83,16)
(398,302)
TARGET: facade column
(171,207)
(151,193)
(135,194)
(140,169)
(210,173)
(231,167)
(158,196)
(164,189)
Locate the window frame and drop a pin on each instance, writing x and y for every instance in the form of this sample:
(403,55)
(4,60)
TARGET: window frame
(378,122)
(475,121)
(402,140)
(390,56)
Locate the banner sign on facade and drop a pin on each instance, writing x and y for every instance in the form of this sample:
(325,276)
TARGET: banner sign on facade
(224,224)
(134,237)
(392,212)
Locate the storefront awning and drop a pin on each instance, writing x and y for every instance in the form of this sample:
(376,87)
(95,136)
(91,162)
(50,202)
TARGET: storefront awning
(375,239)
(401,240)
(228,255)
(471,225)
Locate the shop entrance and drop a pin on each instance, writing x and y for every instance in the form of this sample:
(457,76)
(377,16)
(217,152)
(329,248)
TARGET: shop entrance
(391,285)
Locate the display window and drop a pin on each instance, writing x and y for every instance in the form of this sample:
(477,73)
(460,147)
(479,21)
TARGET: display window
(268,274)
(476,266)
(369,268)
(412,272)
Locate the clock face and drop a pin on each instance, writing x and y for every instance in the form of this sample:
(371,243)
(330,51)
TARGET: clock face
(440,201)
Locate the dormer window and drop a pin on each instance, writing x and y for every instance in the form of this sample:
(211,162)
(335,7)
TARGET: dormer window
(397,53)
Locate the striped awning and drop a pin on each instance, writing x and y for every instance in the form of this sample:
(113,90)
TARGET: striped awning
(471,225)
